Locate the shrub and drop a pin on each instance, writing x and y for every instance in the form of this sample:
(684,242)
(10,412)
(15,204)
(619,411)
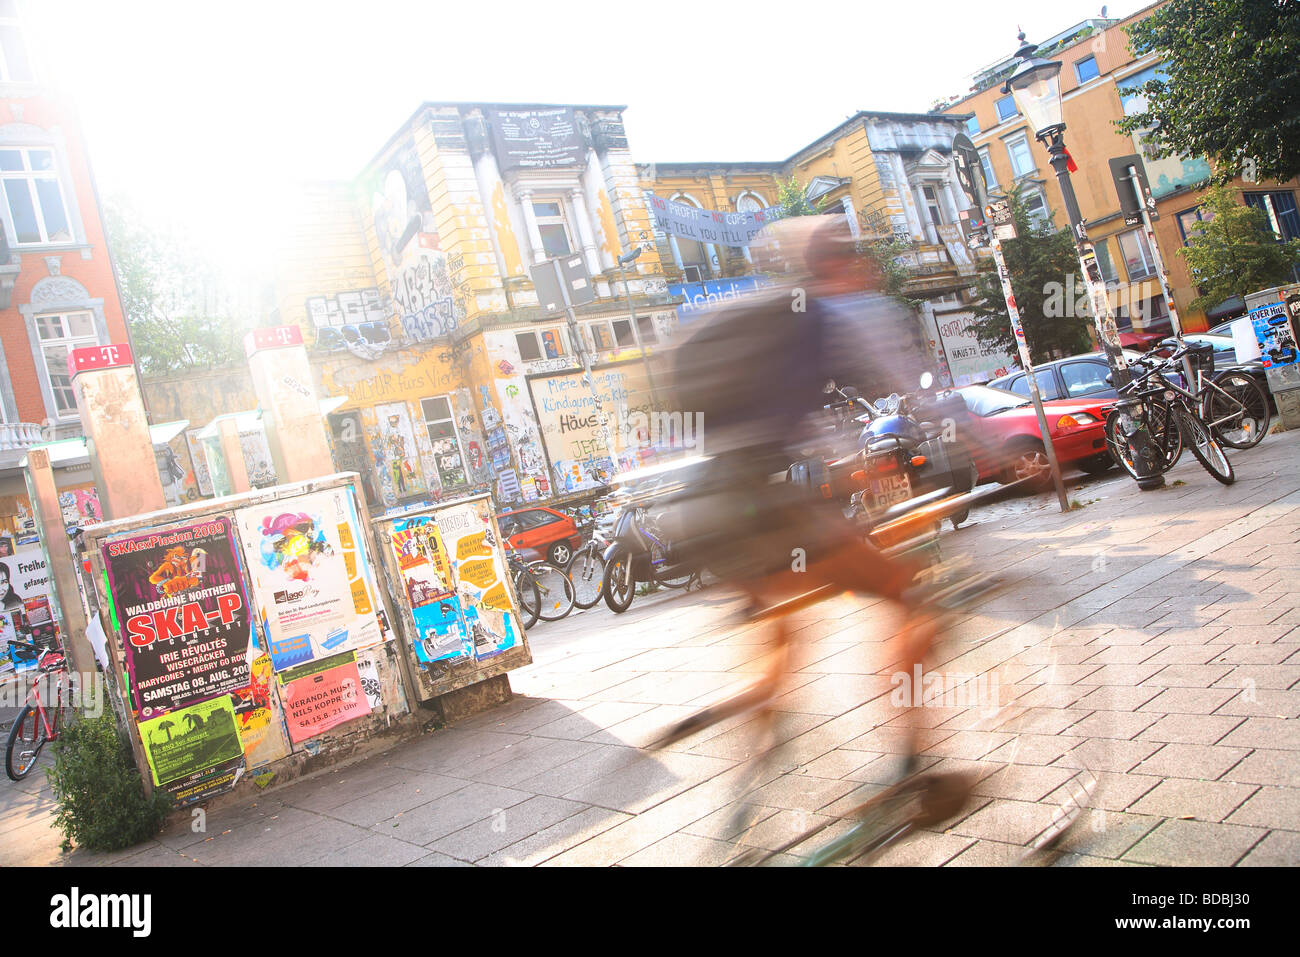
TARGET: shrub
(102,804)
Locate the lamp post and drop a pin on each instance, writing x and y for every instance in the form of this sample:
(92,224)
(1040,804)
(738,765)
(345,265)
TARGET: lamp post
(624,261)
(1036,86)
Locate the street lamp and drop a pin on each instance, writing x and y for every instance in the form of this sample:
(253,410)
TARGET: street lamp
(1036,86)
(624,261)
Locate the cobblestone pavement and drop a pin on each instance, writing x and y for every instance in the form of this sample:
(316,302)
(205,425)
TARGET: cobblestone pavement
(1153,638)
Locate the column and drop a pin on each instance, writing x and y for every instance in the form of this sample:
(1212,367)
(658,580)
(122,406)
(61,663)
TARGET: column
(282,380)
(117,432)
(585,236)
(525,197)
(923,213)
(677,253)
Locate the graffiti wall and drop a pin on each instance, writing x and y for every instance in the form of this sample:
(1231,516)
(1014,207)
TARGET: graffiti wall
(423,303)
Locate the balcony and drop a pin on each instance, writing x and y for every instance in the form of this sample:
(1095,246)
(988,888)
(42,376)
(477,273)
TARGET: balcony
(15,439)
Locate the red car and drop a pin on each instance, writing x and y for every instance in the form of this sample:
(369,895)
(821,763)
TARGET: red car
(543,529)
(1006,443)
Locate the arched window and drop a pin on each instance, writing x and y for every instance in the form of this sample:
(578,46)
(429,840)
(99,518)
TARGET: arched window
(692,252)
(750,202)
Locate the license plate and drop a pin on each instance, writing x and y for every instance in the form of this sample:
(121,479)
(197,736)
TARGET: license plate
(890,491)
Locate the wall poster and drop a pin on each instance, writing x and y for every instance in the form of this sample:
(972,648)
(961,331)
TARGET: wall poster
(185,619)
(479,571)
(191,742)
(321,695)
(425,569)
(313,584)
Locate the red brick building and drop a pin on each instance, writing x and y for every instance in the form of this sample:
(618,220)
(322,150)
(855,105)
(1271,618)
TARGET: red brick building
(57,286)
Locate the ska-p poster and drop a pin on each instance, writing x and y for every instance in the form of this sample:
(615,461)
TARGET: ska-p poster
(479,570)
(425,570)
(185,621)
(313,583)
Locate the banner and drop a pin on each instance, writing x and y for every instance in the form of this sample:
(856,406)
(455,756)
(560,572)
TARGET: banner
(479,572)
(191,741)
(425,570)
(535,139)
(709,225)
(312,581)
(179,595)
(322,695)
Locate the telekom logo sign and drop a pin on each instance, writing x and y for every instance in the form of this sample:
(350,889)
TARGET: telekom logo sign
(99,357)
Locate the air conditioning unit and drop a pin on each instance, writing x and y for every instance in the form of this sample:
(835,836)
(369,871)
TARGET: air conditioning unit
(693,273)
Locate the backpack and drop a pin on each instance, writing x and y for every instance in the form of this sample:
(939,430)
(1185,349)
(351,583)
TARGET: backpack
(753,359)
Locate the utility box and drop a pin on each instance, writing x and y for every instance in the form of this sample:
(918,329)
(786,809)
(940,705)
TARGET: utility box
(455,597)
(1275,317)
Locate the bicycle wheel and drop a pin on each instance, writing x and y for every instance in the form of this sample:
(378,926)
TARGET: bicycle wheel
(554,588)
(529,599)
(1236,409)
(1204,447)
(587,572)
(619,585)
(26,739)
(1161,430)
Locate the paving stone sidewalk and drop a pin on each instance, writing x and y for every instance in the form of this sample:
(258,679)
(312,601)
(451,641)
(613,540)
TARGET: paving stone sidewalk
(1152,638)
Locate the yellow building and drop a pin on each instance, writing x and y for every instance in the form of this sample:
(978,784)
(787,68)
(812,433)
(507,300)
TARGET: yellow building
(414,290)
(1098,72)
(891,176)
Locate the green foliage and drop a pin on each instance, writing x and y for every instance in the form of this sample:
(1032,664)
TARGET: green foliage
(793,200)
(886,258)
(102,804)
(1041,261)
(166,289)
(1232,87)
(1235,252)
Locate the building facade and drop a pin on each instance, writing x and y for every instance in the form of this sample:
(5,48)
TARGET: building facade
(57,285)
(1099,77)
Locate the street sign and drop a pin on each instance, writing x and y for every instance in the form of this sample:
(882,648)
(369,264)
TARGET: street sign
(1128,199)
(970,171)
(562,282)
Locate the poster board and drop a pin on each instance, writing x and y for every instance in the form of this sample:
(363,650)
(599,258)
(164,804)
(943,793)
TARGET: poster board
(191,649)
(457,610)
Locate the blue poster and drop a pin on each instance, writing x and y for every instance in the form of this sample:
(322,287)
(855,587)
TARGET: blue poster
(1276,332)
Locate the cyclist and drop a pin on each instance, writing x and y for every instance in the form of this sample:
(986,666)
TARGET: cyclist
(756,372)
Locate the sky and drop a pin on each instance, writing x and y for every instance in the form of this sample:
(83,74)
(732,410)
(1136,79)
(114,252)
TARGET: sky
(204,114)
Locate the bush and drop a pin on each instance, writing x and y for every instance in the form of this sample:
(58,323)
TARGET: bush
(102,804)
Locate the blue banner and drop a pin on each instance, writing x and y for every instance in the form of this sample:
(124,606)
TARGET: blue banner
(702,296)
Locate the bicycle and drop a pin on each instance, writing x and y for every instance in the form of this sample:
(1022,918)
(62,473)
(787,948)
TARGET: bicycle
(1231,401)
(544,589)
(1167,410)
(586,569)
(35,725)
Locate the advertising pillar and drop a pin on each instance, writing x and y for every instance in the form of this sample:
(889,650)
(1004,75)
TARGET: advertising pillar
(117,430)
(295,428)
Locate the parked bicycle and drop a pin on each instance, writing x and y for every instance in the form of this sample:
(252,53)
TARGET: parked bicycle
(587,567)
(544,589)
(36,724)
(1168,414)
(1231,401)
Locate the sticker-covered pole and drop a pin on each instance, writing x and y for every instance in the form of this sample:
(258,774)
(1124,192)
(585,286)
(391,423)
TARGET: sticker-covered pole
(291,413)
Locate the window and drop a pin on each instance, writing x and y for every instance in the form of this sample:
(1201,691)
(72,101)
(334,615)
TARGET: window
(1006,108)
(441,426)
(645,328)
(932,204)
(1036,205)
(1189,221)
(1104,262)
(1280,209)
(59,335)
(1086,69)
(601,337)
(34,196)
(623,333)
(15,66)
(987,162)
(1022,160)
(1084,378)
(1046,385)
(973,125)
(1137,254)
(541,344)
(553,227)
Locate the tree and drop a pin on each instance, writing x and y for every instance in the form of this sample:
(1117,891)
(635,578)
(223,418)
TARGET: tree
(1234,251)
(1050,297)
(1231,89)
(169,295)
(793,200)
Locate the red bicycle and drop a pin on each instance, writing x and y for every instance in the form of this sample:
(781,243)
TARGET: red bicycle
(35,724)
